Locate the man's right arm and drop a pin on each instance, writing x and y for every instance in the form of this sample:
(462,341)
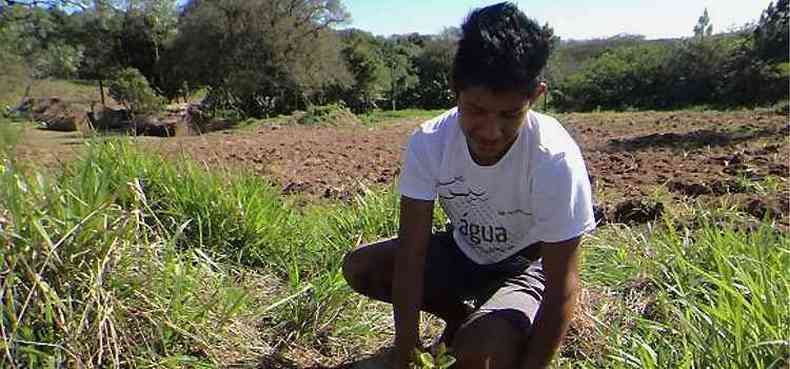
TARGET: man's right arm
(414,235)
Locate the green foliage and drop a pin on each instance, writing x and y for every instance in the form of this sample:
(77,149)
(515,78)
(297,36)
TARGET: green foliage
(715,293)
(100,37)
(91,283)
(748,80)
(260,59)
(440,360)
(619,78)
(568,57)
(131,89)
(58,61)
(366,63)
(329,115)
(433,65)
(271,59)
(402,74)
(771,34)
(717,70)
(703,28)
(382,117)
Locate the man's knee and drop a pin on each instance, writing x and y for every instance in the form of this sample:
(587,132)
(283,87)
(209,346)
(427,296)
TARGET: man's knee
(489,341)
(355,270)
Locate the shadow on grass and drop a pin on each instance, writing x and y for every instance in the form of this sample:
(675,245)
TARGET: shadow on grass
(695,139)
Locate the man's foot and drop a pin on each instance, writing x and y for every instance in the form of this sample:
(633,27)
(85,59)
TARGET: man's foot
(454,315)
(448,334)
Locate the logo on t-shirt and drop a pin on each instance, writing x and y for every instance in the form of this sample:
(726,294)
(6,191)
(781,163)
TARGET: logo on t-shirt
(484,230)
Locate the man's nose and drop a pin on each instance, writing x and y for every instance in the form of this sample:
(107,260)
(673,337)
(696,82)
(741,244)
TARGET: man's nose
(487,130)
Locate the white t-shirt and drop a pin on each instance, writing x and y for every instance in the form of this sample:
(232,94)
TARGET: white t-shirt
(538,191)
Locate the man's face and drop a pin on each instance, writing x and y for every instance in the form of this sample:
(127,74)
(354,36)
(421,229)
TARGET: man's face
(490,121)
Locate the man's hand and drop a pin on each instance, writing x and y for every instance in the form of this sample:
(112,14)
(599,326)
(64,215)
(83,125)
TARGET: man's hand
(414,235)
(560,265)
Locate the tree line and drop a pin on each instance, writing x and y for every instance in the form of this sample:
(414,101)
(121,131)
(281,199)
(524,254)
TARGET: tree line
(258,58)
(748,67)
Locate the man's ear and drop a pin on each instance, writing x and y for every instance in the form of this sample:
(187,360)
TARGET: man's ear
(452,86)
(539,90)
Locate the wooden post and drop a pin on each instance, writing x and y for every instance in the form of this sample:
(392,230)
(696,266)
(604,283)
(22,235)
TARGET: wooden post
(101,91)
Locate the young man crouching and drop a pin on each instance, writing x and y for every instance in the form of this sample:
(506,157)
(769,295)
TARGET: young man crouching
(504,275)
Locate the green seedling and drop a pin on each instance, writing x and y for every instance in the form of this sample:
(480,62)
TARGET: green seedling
(425,360)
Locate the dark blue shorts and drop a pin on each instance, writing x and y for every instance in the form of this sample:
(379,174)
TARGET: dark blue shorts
(512,288)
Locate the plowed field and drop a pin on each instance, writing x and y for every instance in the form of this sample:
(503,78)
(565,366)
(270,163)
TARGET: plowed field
(630,157)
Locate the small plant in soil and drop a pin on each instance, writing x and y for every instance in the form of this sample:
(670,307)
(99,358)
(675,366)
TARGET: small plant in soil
(440,360)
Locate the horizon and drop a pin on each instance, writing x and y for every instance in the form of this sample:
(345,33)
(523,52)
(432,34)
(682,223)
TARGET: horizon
(654,20)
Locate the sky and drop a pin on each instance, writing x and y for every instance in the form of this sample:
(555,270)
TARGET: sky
(571,19)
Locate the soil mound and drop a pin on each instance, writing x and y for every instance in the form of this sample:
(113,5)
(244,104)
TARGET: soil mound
(109,119)
(55,114)
(197,121)
(717,187)
(637,211)
(773,207)
(153,125)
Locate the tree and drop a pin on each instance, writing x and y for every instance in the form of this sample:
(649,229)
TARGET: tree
(130,88)
(270,55)
(771,33)
(434,64)
(147,25)
(100,59)
(398,59)
(703,27)
(620,78)
(758,68)
(365,60)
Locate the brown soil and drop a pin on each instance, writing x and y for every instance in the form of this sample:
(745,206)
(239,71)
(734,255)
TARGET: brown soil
(700,155)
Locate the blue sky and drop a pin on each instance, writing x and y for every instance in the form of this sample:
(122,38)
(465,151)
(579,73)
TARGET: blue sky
(571,19)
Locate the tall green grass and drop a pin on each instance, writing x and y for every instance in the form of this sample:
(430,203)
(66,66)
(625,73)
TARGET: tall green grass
(122,233)
(127,260)
(714,297)
(93,278)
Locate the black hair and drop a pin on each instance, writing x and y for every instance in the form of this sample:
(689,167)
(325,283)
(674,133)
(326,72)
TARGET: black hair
(500,49)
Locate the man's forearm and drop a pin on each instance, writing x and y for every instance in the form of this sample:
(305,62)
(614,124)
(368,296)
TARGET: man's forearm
(550,325)
(406,297)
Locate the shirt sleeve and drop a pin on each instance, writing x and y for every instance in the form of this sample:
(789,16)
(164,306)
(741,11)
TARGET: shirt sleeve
(562,198)
(417,180)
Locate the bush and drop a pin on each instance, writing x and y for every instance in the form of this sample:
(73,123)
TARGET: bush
(619,78)
(132,90)
(58,61)
(332,115)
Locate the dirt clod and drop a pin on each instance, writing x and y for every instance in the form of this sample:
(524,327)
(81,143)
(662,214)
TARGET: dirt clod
(771,207)
(638,211)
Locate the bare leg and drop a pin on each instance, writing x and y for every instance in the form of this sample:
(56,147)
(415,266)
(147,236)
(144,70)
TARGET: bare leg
(369,270)
(489,342)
